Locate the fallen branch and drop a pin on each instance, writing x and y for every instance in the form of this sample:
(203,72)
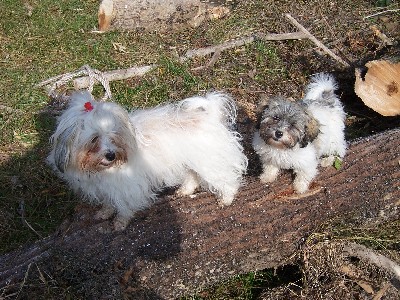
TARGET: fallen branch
(83,82)
(93,76)
(211,63)
(379,260)
(316,41)
(382,13)
(241,42)
(382,291)
(87,81)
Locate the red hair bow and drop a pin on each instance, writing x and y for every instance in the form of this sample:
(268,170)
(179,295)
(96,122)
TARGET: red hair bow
(88,106)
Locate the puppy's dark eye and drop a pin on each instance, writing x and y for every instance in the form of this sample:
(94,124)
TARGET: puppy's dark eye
(276,118)
(94,140)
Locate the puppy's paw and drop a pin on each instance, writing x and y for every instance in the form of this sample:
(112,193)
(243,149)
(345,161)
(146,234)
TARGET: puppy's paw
(226,200)
(105,213)
(120,223)
(268,177)
(327,161)
(301,186)
(185,191)
(269,174)
(189,185)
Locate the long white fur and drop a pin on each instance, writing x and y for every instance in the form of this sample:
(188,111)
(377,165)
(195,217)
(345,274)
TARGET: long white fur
(190,142)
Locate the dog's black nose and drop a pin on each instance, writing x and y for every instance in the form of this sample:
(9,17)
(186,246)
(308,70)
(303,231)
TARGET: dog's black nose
(278,134)
(110,156)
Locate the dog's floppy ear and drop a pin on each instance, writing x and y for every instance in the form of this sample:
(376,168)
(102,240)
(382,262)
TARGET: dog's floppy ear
(311,131)
(62,147)
(262,105)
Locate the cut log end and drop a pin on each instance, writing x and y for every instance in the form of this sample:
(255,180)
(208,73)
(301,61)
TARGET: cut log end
(105,14)
(159,15)
(379,89)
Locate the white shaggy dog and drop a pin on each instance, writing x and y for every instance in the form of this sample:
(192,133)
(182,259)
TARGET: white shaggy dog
(122,160)
(296,135)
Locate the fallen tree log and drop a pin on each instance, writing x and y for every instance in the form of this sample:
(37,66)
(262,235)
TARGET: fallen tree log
(182,244)
(160,15)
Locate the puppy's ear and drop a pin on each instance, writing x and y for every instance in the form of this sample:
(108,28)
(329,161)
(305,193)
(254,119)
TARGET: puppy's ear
(62,147)
(262,105)
(311,131)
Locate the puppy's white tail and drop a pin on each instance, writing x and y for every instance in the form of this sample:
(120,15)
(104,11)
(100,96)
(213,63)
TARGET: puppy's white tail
(322,85)
(217,105)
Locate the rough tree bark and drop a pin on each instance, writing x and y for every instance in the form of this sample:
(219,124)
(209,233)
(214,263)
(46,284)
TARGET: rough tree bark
(182,244)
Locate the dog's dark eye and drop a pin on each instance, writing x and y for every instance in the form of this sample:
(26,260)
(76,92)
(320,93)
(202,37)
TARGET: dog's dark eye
(276,118)
(94,140)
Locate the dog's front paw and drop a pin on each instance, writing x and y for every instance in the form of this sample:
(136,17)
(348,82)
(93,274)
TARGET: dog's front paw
(269,174)
(120,223)
(327,161)
(301,185)
(189,185)
(226,200)
(267,177)
(105,213)
(185,191)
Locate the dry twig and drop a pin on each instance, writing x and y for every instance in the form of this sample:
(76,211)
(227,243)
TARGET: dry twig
(240,42)
(379,260)
(211,63)
(316,41)
(83,82)
(93,75)
(382,13)
(24,281)
(382,291)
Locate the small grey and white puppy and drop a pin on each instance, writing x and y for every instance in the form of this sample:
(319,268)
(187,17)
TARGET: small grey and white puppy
(298,134)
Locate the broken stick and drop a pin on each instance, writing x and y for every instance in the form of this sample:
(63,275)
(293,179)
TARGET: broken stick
(316,41)
(83,82)
(242,41)
(379,260)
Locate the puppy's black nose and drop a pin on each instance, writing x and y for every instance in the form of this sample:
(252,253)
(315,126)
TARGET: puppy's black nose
(278,134)
(110,156)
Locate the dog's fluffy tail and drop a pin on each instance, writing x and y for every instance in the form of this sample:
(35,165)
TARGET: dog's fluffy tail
(217,105)
(322,86)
